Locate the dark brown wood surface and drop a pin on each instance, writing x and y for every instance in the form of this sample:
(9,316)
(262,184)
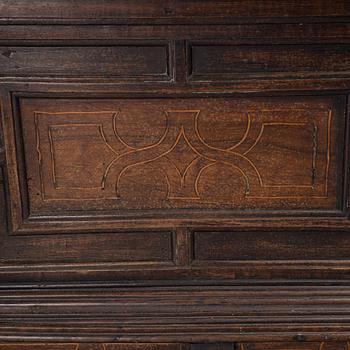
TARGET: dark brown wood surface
(174,346)
(95,10)
(145,61)
(174,175)
(220,61)
(181,153)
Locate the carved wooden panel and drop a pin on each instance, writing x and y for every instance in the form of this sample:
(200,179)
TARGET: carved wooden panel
(181,153)
(175,175)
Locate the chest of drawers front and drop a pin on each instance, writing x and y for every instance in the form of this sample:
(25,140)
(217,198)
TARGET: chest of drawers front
(174,175)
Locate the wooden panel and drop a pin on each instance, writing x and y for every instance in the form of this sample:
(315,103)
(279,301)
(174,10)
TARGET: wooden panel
(168,154)
(225,61)
(143,61)
(277,33)
(89,346)
(150,346)
(139,247)
(294,346)
(183,10)
(40,346)
(238,157)
(260,245)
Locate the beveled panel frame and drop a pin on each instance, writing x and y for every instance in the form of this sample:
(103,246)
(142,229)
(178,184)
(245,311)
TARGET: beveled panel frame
(21,221)
(90,60)
(223,61)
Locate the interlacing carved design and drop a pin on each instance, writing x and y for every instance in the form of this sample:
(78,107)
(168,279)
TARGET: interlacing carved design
(181,127)
(181,155)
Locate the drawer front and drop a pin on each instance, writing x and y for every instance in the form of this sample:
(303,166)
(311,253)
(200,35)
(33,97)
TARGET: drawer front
(226,246)
(175,11)
(144,184)
(135,157)
(120,248)
(124,155)
(217,61)
(142,61)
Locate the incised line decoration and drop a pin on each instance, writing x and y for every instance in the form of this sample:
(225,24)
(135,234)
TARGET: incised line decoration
(182,128)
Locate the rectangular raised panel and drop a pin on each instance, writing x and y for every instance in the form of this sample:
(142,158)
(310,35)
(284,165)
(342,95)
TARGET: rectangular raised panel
(127,157)
(213,346)
(89,346)
(179,153)
(294,346)
(143,61)
(89,248)
(226,62)
(263,245)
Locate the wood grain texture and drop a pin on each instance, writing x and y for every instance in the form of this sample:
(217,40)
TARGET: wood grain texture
(139,154)
(151,346)
(174,175)
(234,33)
(170,11)
(219,62)
(260,245)
(2,155)
(89,346)
(148,346)
(138,61)
(129,247)
(293,346)
(268,312)
(3,212)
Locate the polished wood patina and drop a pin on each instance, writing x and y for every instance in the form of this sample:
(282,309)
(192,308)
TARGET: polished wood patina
(174,175)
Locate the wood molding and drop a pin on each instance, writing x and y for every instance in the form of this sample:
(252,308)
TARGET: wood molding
(178,11)
(2,155)
(258,311)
